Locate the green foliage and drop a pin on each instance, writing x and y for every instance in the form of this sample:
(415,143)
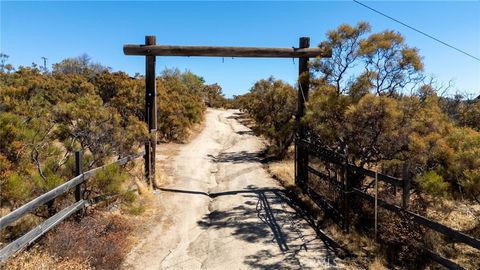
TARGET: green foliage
(433,183)
(180,103)
(82,105)
(110,180)
(470,114)
(130,196)
(471,183)
(367,114)
(325,113)
(11,135)
(388,64)
(15,188)
(381,129)
(214,97)
(272,103)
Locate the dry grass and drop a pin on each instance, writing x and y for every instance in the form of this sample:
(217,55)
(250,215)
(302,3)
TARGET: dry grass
(194,130)
(100,240)
(362,246)
(18,228)
(97,241)
(461,215)
(103,239)
(161,178)
(456,214)
(377,264)
(284,171)
(41,260)
(143,189)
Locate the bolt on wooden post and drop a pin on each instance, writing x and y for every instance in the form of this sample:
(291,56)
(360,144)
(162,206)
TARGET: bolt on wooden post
(303,87)
(150,112)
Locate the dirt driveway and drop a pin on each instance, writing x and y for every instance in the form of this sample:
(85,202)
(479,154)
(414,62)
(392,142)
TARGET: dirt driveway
(223,211)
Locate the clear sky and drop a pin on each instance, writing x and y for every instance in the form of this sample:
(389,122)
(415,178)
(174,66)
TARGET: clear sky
(56,30)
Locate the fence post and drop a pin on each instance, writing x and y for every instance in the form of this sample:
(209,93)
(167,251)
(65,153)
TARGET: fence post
(346,194)
(406,185)
(78,188)
(301,157)
(50,209)
(148,163)
(78,171)
(376,204)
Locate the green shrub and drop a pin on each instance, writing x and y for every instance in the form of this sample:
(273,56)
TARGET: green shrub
(130,196)
(433,183)
(272,103)
(471,183)
(110,180)
(15,188)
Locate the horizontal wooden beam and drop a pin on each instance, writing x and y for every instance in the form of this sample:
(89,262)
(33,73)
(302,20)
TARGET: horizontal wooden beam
(40,200)
(443,261)
(38,231)
(218,51)
(333,157)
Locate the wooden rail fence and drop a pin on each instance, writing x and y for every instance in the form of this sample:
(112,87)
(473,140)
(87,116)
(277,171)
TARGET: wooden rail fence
(341,216)
(81,177)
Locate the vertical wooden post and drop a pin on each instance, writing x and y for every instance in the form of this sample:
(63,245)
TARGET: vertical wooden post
(376,204)
(295,164)
(150,111)
(406,185)
(78,188)
(301,158)
(78,171)
(346,194)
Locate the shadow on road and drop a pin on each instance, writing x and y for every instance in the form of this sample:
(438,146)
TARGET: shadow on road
(237,157)
(242,118)
(246,132)
(264,217)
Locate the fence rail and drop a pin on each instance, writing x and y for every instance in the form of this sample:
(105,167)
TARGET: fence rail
(51,222)
(332,157)
(342,215)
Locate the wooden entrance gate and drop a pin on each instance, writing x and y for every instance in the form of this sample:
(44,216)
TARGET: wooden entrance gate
(150,50)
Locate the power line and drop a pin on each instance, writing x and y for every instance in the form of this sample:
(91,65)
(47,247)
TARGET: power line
(419,31)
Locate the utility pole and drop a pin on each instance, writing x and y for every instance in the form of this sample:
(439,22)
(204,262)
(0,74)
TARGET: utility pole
(44,63)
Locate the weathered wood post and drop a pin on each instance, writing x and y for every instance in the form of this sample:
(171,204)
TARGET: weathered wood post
(50,209)
(376,205)
(346,202)
(150,111)
(78,171)
(301,158)
(406,185)
(78,188)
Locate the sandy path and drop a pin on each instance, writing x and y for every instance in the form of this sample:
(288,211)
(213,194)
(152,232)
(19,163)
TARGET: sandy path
(223,211)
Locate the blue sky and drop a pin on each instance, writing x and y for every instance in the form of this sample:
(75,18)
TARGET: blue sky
(56,30)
